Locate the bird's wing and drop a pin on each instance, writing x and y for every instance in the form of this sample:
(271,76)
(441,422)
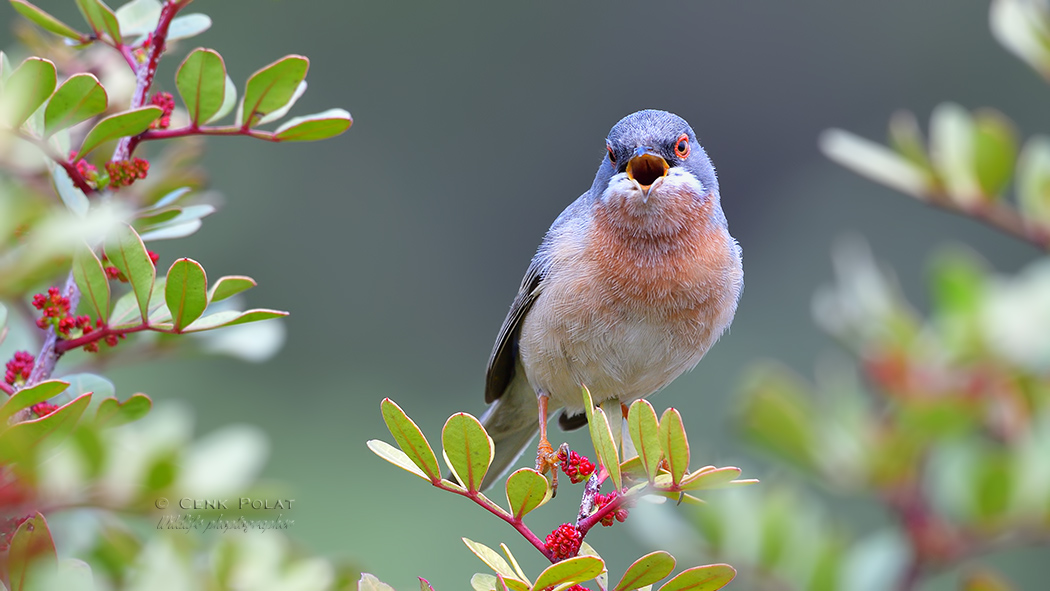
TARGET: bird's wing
(502,360)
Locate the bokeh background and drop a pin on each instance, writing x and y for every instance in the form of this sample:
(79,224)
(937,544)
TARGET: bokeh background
(398,246)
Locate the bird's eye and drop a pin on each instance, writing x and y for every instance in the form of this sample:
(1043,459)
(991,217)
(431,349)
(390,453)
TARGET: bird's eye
(681,148)
(612,155)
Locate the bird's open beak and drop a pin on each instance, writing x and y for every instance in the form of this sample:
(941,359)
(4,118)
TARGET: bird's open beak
(646,168)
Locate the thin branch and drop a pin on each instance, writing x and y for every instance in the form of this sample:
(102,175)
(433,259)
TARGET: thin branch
(6,389)
(498,511)
(163,134)
(99,334)
(74,174)
(997,215)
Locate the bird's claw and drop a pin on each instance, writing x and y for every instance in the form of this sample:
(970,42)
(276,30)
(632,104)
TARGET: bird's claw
(547,459)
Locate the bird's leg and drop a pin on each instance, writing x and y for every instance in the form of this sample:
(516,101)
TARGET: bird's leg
(546,459)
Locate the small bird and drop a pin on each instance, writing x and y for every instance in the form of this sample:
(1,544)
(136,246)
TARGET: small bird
(630,287)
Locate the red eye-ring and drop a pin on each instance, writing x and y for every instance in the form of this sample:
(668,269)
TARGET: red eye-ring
(612,155)
(681,147)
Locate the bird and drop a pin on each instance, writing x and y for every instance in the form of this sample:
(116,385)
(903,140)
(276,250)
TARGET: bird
(629,288)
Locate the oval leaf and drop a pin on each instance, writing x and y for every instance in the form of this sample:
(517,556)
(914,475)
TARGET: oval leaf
(646,570)
(138,17)
(80,98)
(674,444)
(468,449)
(271,88)
(278,113)
(569,571)
(32,550)
(708,479)
(230,318)
(491,558)
(45,20)
(526,490)
(701,578)
(229,99)
(27,397)
(201,81)
(410,439)
(318,126)
(128,254)
(229,285)
(644,430)
(19,438)
(92,281)
(188,25)
(186,292)
(123,124)
(395,456)
(28,87)
(112,413)
(100,18)
(602,437)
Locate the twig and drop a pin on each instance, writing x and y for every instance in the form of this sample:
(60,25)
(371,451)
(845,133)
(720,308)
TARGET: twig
(163,134)
(997,215)
(71,170)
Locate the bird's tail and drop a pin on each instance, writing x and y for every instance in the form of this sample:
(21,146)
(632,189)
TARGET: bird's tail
(512,422)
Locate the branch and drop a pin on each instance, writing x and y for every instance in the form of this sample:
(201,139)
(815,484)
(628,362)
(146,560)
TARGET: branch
(99,334)
(163,134)
(6,389)
(71,170)
(997,215)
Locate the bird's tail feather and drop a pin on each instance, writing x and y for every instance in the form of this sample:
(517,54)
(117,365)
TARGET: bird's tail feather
(512,422)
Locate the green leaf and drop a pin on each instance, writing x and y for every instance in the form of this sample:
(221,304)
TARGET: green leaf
(128,254)
(100,18)
(82,383)
(701,578)
(188,25)
(230,318)
(674,444)
(645,433)
(514,563)
(112,413)
(318,126)
(27,397)
(229,285)
(995,150)
(123,124)
(229,100)
(646,570)
(778,416)
(281,112)
(371,583)
(468,449)
(28,87)
(491,558)
(526,490)
(30,544)
(410,439)
(876,162)
(92,281)
(1033,180)
(952,150)
(271,88)
(45,20)
(138,17)
(80,98)
(714,478)
(395,456)
(18,439)
(201,81)
(186,292)
(73,198)
(906,137)
(569,571)
(602,437)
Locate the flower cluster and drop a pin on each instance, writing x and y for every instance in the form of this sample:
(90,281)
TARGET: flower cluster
(619,514)
(54,306)
(86,169)
(578,468)
(19,368)
(124,172)
(165,101)
(42,409)
(564,542)
(8,527)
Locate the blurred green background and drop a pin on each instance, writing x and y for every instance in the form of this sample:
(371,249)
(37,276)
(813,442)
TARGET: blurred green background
(398,246)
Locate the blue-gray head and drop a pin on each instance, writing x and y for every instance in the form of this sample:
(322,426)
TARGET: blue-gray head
(647,147)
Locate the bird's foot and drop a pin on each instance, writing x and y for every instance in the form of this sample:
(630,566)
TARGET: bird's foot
(547,459)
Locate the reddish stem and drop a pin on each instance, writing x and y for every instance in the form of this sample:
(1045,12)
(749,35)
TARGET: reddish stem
(605,510)
(99,334)
(70,168)
(498,511)
(6,389)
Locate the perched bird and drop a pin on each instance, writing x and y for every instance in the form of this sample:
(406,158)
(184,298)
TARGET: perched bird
(632,284)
